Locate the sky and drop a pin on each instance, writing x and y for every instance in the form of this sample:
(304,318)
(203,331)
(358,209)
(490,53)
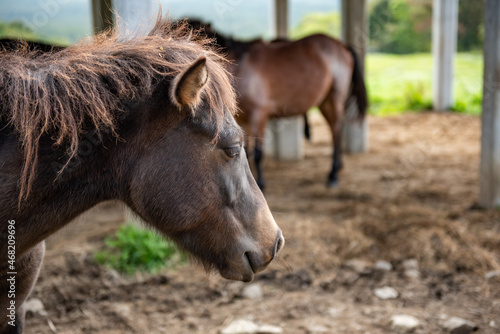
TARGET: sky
(71,19)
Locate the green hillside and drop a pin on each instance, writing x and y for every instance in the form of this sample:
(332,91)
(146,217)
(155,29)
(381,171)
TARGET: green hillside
(47,21)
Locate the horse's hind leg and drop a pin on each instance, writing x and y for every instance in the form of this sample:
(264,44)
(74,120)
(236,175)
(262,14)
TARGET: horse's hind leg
(27,269)
(332,109)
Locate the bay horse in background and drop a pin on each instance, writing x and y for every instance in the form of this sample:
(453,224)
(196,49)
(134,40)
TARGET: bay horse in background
(147,121)
(287,78)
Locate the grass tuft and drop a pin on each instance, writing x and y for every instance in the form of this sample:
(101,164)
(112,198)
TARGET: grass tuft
(134,249)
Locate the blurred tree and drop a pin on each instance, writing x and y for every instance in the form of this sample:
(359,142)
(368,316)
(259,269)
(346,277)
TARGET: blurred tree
(471,25)
(400,26)
(405,26)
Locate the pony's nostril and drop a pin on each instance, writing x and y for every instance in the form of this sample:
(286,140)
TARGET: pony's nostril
(279,243)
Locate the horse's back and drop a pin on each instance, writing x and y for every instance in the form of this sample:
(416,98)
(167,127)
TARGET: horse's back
(296,75)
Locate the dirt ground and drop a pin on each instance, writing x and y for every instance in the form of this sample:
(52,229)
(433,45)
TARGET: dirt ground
(412,196)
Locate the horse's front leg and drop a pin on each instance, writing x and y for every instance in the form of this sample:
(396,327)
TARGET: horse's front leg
(333,179)
(258,122)
(17,285)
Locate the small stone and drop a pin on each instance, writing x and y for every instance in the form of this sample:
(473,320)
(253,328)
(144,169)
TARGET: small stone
(122,310)
(35,306)
(492,324)
(458,325)
(410,264)
(386,293)
(240,326)
(383,265)
(317,329)
(252,291)
(359,266)
(411,268)
(492,274)
(269,329)
(403,322)
(367,312)
(412,273)
(334,312)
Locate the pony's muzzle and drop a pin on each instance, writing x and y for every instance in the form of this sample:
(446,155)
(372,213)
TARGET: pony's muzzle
(259,261)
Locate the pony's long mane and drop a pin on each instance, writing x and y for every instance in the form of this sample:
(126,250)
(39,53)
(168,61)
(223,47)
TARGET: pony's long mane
(56,93)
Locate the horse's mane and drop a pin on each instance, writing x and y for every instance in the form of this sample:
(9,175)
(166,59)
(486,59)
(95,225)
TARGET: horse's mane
(226,44)
(56,93)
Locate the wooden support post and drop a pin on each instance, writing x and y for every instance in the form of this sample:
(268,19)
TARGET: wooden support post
(489,178)
(102,15)
(354,33)
(281,11)
(284,137)
(444,46)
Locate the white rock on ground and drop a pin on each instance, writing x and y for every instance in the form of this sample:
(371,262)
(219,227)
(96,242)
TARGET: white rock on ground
(411,268)
(458,325)
(403,322)
(359,266)
(252,291)
(123,310)
(386,293)
(317,329)
(241,326)
(383,265)
(334,312)
(269,329)
(35,305)
(410,264)
(412,273)
(492,274)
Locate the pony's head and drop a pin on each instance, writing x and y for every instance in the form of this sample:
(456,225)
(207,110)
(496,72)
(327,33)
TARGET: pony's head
(189,177)
(159,110)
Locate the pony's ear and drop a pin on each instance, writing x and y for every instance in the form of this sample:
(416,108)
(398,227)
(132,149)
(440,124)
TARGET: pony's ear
(189,84)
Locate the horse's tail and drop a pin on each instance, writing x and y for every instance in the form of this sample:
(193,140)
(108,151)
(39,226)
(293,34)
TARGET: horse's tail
(358,89)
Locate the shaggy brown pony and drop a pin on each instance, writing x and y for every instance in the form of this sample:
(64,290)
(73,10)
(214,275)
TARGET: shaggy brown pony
(157,112)
(53,93)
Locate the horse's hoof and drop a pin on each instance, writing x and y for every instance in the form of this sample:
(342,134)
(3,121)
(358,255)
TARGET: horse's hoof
(332,184)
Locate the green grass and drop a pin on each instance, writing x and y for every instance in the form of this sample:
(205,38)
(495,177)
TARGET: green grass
(134,249)
(398,83)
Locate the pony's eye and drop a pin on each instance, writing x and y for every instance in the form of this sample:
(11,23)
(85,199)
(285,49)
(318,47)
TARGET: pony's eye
(232,151)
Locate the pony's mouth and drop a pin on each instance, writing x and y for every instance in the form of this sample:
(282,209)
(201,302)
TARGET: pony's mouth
(251,263)
(249,278)
(243,271)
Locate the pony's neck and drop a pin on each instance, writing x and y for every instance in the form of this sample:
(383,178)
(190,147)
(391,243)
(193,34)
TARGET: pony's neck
(53,202)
